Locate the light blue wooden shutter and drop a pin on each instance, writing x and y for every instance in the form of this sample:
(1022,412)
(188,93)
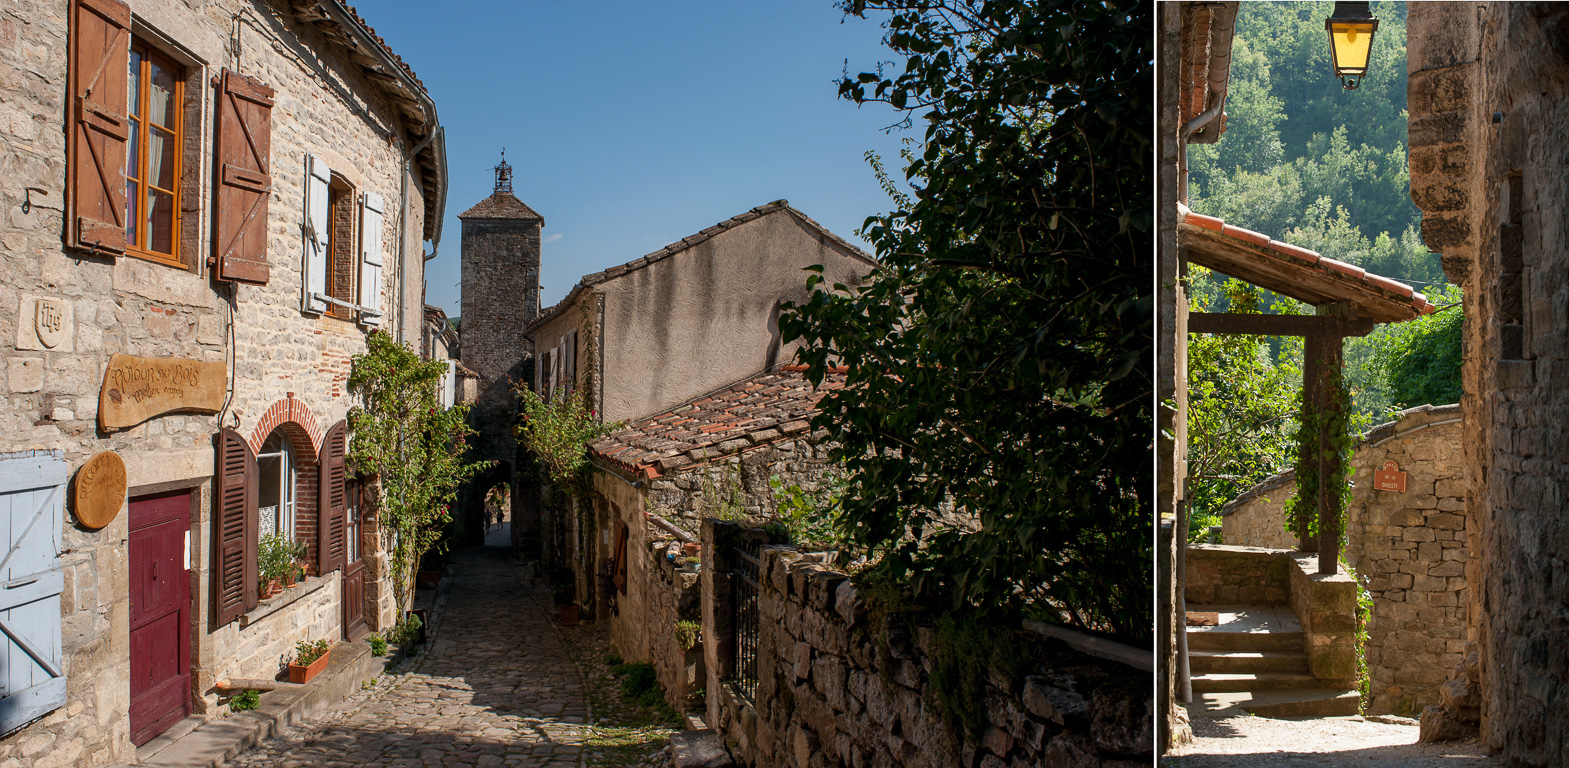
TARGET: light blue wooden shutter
(371,259)
(318,225)
(32,668)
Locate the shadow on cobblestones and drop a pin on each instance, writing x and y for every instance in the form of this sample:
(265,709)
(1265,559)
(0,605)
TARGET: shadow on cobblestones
(499,685)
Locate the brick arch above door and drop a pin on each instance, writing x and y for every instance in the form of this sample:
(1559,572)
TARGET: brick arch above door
(286,411)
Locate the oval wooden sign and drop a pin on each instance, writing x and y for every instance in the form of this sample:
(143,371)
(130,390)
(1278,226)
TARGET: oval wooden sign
(100,490)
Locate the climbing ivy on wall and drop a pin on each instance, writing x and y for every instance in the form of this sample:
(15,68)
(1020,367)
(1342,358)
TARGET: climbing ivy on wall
(1336,420)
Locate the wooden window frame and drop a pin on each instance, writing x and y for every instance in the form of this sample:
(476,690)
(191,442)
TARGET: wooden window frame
(136,247)
(346,195)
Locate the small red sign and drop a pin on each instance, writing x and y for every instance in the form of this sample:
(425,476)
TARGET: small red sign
(1390,478)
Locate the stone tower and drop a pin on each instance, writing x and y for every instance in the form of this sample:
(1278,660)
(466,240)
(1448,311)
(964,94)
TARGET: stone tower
(500,297)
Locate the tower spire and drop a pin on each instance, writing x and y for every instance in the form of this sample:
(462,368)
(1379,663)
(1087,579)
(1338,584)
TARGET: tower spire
(503,174)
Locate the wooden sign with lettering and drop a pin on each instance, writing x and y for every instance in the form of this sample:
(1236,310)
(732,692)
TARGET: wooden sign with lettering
(1390,478)
(136,389)
(100,490)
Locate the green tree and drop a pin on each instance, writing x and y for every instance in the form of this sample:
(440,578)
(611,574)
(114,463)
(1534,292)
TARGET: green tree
(1242,410)
(1418,362)
(413,445)
(1000,356)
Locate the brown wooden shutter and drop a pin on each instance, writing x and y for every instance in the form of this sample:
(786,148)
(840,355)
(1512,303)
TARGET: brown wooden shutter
(99,54)
(244,178)
(234,573)
(332,522)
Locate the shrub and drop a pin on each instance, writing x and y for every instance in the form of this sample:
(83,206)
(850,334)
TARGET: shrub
(245,701)
(378,645)
(686,633)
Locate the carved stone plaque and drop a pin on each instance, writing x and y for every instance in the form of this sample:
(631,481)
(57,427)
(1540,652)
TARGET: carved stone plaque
(45,322)
(1390,478)
(49,322)
(136,389)
(100,490)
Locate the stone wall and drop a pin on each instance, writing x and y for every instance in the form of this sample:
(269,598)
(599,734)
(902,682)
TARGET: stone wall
(686,498)
(1489,137)
(325,106)
(828,694)
(1233,575)
(1408,548)
(500,297)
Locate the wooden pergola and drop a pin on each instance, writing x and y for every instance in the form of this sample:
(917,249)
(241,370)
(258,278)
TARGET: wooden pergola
(1348,302)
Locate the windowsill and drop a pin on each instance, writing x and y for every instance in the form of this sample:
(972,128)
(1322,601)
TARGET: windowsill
(156,258)
(283,599)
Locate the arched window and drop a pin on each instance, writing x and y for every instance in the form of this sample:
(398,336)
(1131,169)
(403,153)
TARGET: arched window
(275,474)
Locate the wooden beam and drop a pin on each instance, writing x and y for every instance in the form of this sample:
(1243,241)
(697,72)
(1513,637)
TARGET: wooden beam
(1277,325)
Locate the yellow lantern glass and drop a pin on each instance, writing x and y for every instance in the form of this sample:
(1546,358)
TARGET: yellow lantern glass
(1352,44)
(1351,30)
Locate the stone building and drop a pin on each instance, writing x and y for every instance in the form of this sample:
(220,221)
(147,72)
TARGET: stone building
(209,207)
(716,455)
(1489,141)
(670,337)
(439,341)
(501,252)
(1405,539)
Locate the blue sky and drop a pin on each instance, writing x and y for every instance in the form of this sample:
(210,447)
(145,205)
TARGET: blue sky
(630,125)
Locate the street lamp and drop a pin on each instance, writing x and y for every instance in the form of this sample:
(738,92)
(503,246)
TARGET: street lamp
(1351,29)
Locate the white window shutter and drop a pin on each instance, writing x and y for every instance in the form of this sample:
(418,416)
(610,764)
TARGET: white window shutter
(449,382)
(32,504)
(374,210)
(318,225)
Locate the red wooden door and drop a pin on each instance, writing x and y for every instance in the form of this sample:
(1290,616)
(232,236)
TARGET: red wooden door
(353,596)
(160,614)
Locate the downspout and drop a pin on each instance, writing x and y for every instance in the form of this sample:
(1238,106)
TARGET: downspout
(403,223)
(1223,19)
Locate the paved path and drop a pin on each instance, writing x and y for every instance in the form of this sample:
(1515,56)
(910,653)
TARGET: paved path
(1243,741)
(497,687)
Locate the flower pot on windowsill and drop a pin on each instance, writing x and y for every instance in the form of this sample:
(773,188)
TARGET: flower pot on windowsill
(568,615)
(290,578)
(273,588)
(299,674)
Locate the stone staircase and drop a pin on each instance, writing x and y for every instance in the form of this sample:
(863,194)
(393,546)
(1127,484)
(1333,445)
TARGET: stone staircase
(1254,660)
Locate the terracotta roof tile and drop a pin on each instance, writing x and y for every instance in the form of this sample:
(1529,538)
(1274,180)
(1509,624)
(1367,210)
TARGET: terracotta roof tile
(501,205)
(1296,255)
(1298,251)
(743,416)
(1207,222)
(1247,235)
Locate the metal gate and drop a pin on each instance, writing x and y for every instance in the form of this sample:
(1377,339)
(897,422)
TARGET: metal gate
(745,575)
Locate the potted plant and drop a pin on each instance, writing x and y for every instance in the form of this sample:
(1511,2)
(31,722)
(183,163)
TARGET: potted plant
(309,660)
(274,559)
(295,571)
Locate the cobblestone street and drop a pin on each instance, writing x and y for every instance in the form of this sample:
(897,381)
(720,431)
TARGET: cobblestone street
(499,685)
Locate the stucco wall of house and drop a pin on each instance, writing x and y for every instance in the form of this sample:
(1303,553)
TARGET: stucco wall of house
(128,305)
(707,316)
(1489,135)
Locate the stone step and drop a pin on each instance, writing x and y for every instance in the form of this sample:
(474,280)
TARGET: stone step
(699,749)
(1247,661)
(1255,681)
(1208,639)
(1326,702)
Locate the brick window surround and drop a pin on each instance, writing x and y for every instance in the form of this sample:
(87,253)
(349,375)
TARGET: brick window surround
(296,421)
